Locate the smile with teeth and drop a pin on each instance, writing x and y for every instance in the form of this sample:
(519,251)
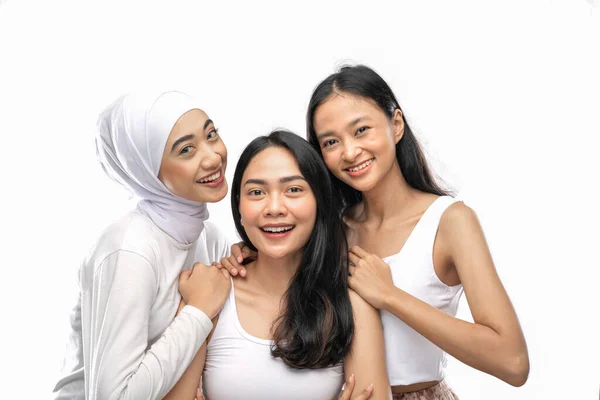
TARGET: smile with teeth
(277,229)
(210,178)
(361,166)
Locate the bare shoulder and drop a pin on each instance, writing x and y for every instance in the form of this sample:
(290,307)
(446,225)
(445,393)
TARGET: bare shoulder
(457,217)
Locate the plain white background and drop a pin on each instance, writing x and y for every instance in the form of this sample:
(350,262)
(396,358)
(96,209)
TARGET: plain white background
(505,95)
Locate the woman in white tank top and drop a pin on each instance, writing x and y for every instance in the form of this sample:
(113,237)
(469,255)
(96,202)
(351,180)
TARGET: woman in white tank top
(414,248)
(292,329)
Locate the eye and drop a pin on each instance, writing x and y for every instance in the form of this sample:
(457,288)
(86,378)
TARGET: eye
(186,150)
(329,142)
(295,189)
(212,134)
(255,192)
(362,130)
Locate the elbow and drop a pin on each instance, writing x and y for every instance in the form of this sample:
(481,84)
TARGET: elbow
(517,370)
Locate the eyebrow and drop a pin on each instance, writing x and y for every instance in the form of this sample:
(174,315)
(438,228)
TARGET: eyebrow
(190,135)
(181,140)
(285,179)
(351,123)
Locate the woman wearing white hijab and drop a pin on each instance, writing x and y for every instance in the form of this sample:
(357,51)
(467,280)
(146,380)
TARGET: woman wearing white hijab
(127,341)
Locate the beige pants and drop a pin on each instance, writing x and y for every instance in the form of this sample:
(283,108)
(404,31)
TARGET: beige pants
(441,391)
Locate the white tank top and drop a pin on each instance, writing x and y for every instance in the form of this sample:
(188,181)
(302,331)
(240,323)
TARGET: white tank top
(240,366)
(411,358)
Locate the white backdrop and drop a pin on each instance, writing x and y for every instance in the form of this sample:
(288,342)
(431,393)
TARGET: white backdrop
(506,96)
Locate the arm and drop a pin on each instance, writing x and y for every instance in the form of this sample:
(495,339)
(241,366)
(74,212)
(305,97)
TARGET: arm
(116,305)
(367,356)
(188,385)
(494,343)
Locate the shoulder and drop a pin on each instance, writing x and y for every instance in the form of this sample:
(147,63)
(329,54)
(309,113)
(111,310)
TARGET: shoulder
(133,235)
(212,245)
(458,215)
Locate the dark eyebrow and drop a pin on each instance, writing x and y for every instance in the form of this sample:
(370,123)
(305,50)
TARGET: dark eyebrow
(180,140)
(352,123)
(207,123)
(285,179)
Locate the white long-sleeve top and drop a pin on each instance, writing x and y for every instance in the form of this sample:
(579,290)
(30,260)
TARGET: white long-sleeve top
(126,342)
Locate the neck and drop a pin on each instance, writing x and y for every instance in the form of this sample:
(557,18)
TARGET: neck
(274,275)
(388,197)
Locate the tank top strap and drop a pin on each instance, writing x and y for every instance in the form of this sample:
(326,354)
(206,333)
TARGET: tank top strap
(227,317)
(429,224)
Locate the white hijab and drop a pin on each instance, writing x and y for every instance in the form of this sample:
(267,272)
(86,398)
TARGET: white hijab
(131,138)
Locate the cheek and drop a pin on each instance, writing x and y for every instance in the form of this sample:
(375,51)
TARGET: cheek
(248,211)
(331,158)
(306,210)
(221,150)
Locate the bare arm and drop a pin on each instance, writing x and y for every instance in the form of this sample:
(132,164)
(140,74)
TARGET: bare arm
(494,343)
(367,356)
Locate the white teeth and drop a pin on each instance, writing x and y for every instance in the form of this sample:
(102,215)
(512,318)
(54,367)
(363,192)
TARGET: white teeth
(211,178)
(277,229)
(361,166)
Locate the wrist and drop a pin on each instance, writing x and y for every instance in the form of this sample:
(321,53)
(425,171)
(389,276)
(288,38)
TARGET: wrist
(388,296)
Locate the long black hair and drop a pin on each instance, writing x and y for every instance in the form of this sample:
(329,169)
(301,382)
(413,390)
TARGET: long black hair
(315,329)
(362,81)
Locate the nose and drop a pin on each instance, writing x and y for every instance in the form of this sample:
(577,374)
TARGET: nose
(211,160)
(275,206)
(351,151)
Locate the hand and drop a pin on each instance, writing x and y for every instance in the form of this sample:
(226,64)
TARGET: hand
(349,388)
(205,288)
(199,394)
(240,252)
(370,276)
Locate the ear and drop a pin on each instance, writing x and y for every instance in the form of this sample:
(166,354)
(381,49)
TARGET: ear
(397,125)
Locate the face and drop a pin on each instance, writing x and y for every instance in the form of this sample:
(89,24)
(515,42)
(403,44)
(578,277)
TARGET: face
(194,161)
(357,139)
(277,205)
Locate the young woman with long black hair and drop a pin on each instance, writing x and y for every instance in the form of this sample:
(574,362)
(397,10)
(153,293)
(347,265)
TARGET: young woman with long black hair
(291,329)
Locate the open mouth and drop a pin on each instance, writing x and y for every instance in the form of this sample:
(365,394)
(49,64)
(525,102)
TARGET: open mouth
(212,179)
(361,166)
(280,230)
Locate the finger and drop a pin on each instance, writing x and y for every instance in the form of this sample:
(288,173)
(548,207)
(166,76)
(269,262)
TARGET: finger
(185,275)
(348,388)
(237,250)
(366,394)
(353,259)
(225,273)
(229,264)
(351,270)
(359,251)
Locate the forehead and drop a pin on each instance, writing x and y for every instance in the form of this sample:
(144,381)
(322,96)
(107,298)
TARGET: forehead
(342,108)
(190,122)
(271,164)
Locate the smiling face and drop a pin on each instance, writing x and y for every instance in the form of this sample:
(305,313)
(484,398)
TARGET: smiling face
(357,140)
(194,160)
(277,205)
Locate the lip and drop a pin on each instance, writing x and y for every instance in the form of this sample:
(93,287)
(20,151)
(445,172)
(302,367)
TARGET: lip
(362,171)
(214,183)
(276,235)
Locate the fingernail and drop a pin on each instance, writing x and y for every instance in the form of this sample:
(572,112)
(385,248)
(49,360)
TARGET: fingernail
(243,272)
(352,377)
(240,259)
(370,387)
